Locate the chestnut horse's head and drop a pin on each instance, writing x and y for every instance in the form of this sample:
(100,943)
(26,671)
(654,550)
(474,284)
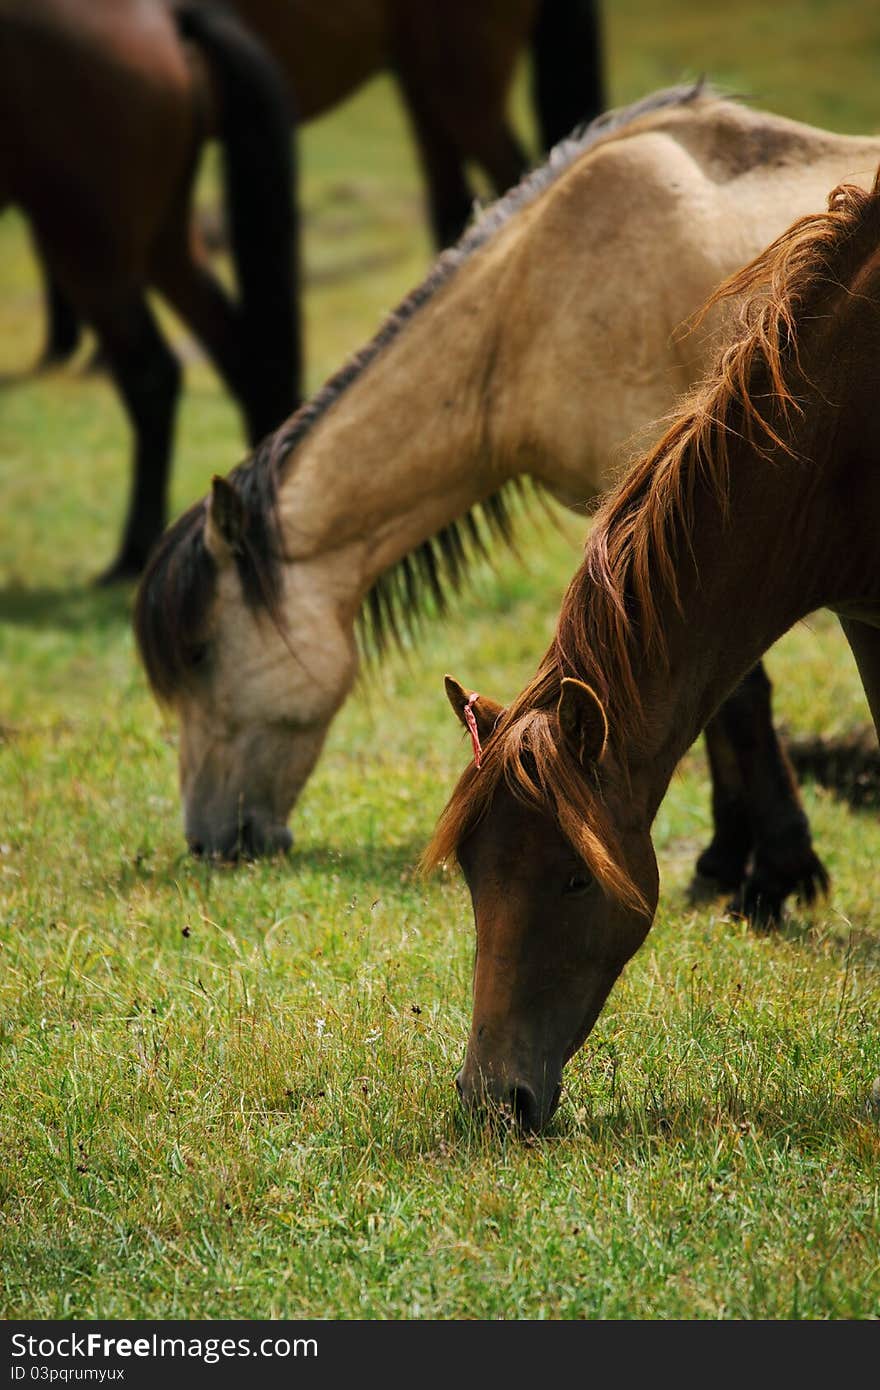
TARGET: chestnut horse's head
(563,880)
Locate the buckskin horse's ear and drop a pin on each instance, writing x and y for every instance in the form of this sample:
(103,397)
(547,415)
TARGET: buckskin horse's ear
(583,720)
(486,712)
(225,521)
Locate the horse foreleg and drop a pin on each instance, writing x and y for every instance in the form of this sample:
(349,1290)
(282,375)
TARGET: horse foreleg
(760,800)
(147,375)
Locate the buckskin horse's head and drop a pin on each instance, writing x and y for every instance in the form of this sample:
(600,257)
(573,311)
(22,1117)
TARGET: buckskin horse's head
(254,660)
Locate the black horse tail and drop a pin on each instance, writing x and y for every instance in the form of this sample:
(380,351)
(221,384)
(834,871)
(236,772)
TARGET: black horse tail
(568,68)
(257,135)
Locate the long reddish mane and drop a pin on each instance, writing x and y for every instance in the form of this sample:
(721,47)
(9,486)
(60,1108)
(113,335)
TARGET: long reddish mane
(611,614)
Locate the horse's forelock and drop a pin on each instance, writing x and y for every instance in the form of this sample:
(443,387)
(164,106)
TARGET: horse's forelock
(527,756)
(172,600)
(180,581)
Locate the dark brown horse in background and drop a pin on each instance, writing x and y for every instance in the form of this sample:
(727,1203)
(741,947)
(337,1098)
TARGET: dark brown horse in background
(453,62)
(105,107)
(759,506)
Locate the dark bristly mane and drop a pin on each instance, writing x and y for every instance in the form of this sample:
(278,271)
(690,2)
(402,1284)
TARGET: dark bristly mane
(179,582)
(611,613)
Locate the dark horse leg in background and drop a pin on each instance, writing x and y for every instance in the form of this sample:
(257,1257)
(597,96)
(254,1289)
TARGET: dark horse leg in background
(254,342)
(568,73)
(147,375)
(260,353)
(450,196)
(864,644)
(761,850)
(63,326)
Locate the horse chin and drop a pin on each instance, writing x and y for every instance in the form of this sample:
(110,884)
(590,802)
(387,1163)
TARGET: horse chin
(247,839)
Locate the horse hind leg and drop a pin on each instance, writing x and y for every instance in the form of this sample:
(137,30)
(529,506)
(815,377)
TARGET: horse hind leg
(722,866)
(501,155)
(196,294)
(568,67)
(450,198)
(63,323)
(147,375)
(63,326)
(758,801)
(257,134)
(864,642)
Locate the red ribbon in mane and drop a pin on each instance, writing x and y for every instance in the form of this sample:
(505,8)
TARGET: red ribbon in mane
(472,727)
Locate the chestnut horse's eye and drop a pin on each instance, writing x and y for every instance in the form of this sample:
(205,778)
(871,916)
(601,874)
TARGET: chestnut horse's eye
(577,883)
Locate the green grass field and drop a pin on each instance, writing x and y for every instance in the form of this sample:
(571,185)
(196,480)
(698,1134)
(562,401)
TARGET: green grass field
(228,1093)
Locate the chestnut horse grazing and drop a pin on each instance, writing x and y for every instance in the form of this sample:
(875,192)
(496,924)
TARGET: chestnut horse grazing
(105,107)
(761,504)
(536,347)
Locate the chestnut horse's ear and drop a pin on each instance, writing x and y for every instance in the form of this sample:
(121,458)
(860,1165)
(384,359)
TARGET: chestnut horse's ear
(583,720)
(486,712)
(225,522)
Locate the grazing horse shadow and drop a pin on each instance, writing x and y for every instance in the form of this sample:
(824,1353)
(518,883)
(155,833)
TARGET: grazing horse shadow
(361,864)
(369,869)
(68,610)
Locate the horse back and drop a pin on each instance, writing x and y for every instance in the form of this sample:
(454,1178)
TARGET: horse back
(324,51)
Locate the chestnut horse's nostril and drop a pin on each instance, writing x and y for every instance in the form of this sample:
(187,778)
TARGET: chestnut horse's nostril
(458,1086)
(524,1106)
(197,848)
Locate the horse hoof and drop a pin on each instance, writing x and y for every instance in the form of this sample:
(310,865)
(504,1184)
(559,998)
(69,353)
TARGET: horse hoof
(758,906)
(705,888)
(724,868)
(766,889)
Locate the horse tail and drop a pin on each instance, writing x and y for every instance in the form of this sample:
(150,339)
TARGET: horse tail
(568,71)
(260,170)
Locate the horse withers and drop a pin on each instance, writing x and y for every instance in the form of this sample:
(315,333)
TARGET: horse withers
(762,501)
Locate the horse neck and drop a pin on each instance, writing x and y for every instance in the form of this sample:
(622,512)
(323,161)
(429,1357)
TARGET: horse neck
(746,572)
(406,447)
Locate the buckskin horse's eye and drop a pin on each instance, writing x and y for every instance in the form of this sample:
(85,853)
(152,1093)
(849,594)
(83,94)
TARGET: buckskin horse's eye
(577,883)
(198,655)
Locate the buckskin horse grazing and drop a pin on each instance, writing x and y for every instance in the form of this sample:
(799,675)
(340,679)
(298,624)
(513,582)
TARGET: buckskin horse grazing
(762,500)
(105,106)
(537,346)
(453,62)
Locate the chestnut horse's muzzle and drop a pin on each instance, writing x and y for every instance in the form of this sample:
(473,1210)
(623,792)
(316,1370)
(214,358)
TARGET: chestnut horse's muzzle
(510,1099)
